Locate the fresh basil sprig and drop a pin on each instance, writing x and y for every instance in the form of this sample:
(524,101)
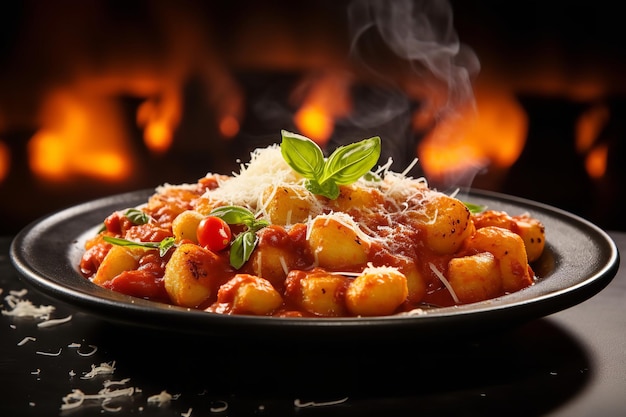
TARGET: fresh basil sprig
(324,176)
(243,245)
(163,246)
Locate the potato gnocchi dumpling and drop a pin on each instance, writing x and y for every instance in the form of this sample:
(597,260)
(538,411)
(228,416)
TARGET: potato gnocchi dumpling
(317,237)
(247,294)
(377,292)
(317,292)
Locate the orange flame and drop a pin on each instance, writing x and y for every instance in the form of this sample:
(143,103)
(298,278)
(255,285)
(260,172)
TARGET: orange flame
(589,125)
(327,98)
(492,133)
(159,117)
(81,135)
(588,129)
(596,161)
(229,126)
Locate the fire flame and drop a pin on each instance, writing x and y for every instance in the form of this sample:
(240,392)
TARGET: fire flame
(159,118)
(596,161)
(491,133)
(327,98)
(588,130)
(81,136)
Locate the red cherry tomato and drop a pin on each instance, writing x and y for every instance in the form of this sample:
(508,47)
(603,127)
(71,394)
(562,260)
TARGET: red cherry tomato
(213,233)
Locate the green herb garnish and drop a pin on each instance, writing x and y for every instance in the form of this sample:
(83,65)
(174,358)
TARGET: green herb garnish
(243,245)
(475,208)
(137,216)
(163,246)
(324,175)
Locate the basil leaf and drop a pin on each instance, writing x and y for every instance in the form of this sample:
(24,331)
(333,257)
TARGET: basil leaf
(234,215)
(258,225)
(475,208)
(302,154)
(324,176)
(118,241)
(241,249)
(165,245)
(328,189)
(137,216)
(349,163)
(372,176)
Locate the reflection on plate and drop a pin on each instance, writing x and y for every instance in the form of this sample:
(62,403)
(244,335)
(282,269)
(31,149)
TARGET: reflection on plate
(580,260)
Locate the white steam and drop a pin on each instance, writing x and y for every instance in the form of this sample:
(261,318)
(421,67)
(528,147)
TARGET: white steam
(422,33)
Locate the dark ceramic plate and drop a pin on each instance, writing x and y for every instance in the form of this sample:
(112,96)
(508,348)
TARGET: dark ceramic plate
(580,260)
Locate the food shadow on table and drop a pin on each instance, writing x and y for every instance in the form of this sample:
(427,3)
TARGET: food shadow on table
(527,370)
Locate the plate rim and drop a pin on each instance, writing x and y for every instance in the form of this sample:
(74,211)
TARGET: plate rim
(152,314)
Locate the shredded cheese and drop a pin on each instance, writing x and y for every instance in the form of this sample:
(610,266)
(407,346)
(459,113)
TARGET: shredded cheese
(444,281)
(102,369)
(26,340)
(109,383)
(93,350)
(18,294)
(300,404)
(54,322)
(160,398)
(266,168)
(25,308)
(77,346)
(342,218)
(77,397)
(220,407)
(49,353)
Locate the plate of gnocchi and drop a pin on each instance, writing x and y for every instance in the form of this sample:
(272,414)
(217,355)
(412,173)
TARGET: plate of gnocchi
(302,246)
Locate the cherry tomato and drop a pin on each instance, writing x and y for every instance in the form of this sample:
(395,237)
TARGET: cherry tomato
(213,233)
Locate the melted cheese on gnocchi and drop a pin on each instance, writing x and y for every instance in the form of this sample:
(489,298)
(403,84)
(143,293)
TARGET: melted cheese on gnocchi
(387,244)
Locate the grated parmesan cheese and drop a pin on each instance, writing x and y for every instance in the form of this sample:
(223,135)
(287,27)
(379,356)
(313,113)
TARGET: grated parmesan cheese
(49,353)
(77,397)
(93,350)
(342,218)
(220,407)
(160,398)
(25,308)
(102,369)
(299,404)
(26,340)
(54,322)
(266,168)
(444,281)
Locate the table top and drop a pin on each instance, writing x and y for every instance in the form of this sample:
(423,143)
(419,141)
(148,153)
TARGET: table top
(571,363)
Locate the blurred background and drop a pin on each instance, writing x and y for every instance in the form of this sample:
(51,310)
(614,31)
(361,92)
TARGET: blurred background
(99,97)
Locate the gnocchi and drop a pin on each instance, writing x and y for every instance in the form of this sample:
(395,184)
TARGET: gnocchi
(374,245)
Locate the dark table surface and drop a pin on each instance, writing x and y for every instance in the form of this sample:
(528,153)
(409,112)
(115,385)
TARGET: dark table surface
(572,363)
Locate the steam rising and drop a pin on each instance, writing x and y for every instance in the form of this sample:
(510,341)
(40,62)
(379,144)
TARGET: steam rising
(422,33)
(425,68)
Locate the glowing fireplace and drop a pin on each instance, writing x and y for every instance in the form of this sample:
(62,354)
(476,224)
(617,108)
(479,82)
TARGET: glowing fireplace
(103,97)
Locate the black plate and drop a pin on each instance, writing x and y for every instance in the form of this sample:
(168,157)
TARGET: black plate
(580,260)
